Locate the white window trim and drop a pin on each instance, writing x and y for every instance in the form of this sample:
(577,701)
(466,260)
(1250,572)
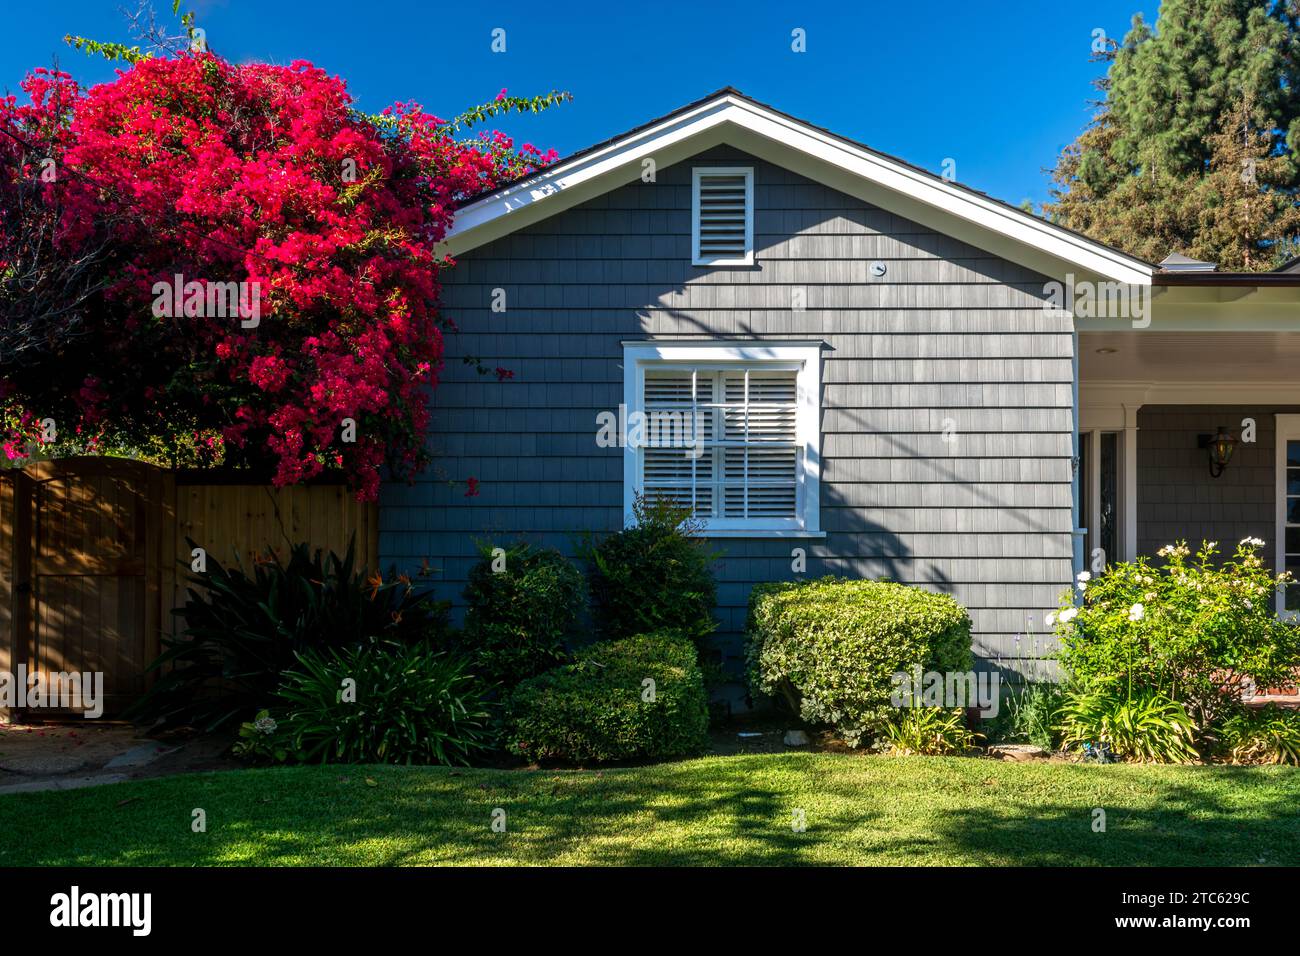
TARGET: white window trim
(1288,428)
(748,172)
(805,357)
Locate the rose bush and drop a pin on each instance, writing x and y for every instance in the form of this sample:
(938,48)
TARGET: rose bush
(1194,630)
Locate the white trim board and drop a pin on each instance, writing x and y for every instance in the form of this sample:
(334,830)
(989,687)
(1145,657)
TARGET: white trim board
(738,121)
(1096,395)
(1287,428)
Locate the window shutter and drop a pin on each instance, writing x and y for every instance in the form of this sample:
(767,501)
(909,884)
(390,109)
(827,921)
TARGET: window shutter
(727,448)
(677,420)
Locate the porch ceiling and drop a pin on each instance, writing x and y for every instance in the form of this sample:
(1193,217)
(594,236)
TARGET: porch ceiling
(1221,358)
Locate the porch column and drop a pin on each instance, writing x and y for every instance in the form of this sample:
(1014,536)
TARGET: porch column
(1128,484)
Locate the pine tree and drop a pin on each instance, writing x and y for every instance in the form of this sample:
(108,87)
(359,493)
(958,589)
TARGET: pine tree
(1216,83)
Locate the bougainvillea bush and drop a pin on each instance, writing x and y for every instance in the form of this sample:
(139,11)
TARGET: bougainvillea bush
(1195,630)
(301,237)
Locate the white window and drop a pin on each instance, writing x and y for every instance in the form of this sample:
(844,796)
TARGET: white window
(1287,535)
(729,431)
(722,216)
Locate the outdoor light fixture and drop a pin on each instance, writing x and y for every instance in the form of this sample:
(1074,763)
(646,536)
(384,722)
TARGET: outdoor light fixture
(1221,446)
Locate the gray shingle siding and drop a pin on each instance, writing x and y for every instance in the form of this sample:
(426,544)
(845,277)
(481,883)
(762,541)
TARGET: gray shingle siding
(949,332)
(1177,498)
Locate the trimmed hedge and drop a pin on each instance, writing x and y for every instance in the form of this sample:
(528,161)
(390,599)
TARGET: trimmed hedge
(595,708)
(830,647)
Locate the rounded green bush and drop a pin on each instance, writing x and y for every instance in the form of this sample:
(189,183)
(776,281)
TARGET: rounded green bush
(524,603)
(603,707)
(829,648)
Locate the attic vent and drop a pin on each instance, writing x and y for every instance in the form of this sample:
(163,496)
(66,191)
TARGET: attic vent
(722,216)
(1176,262)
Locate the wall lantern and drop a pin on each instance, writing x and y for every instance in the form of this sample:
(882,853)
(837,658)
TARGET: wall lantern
(1221,446)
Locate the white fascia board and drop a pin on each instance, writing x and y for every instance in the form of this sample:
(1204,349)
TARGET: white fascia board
(961,203)
(567,184)
(1099,394)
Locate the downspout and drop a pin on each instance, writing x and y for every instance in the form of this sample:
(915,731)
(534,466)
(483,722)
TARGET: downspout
(1077,533)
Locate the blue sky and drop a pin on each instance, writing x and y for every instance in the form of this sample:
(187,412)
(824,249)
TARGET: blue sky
(998,87)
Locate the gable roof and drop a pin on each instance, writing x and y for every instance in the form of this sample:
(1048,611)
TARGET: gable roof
(730,117)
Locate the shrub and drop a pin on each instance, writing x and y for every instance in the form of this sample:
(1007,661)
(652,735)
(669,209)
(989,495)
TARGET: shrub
(1192,629)
(241,631)
(1265,735)
(523,605)
(1149,727)
(830,647)
(408,704)
(929,731)
(653,576)
(1035,713)
(601,707)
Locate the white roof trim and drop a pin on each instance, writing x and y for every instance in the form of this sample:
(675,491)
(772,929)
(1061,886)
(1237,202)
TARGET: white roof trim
(567,183)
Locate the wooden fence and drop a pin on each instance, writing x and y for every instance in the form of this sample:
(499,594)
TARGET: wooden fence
(94,556)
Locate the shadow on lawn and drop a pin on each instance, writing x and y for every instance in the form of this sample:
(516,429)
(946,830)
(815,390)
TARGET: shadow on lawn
(733,811)
(1223,816)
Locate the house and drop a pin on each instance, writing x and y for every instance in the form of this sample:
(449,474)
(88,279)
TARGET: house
(880,373)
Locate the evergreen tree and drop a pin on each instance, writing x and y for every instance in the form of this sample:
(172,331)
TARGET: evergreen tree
(1211,91)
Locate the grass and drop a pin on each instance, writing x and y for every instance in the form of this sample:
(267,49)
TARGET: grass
(715,810)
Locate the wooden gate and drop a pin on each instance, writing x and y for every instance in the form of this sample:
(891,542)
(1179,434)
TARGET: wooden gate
(94,555)
(86,595)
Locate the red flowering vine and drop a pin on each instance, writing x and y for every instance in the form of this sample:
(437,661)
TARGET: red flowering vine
(324,222)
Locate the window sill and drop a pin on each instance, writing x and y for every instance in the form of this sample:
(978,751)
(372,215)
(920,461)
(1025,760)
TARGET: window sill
(758,533)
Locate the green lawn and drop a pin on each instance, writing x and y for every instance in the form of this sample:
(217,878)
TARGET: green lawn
(715,810)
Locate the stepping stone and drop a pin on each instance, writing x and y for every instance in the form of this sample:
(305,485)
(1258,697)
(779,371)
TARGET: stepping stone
(1018,752)
(139,756)
(64,783)
(42,765)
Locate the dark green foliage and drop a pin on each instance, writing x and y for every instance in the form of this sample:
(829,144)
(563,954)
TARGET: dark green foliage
(241,631)
(830,648)
(524,604)
(653,576)
(596,709)
(377,702)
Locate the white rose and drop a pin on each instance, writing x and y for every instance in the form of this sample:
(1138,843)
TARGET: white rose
(1068,615)
(1136,612)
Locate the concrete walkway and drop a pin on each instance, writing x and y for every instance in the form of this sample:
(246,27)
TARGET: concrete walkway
(65,756)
